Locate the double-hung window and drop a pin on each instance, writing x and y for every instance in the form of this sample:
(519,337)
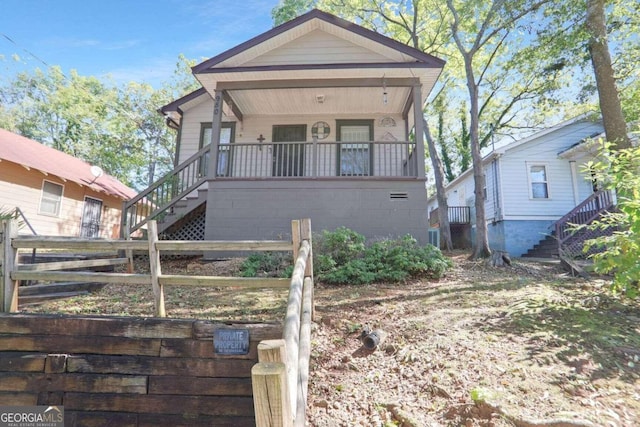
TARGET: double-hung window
(51,198)
(539,181)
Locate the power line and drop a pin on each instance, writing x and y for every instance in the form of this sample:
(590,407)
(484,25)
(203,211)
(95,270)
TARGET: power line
(36,57)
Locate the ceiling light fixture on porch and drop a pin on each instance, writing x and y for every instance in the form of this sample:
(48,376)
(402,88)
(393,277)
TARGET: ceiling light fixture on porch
(384,91)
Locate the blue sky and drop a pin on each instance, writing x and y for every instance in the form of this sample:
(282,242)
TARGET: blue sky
(135,40)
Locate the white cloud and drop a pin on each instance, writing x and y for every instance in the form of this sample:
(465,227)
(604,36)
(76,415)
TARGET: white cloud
(70,43)
(154,72)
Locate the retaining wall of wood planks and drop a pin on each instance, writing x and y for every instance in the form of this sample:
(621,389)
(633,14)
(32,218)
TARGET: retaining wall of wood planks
(125,371)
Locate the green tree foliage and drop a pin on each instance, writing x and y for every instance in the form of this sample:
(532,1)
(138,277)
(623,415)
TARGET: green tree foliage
(286,10)
(596,43)
(488,45)
(619,170)
(96,121)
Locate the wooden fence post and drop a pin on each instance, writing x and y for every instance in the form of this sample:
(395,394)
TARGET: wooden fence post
(308,235)
(156,271)
(305,231)
(271,395)
(272,351)
(128,252)
(295,238)
(8,287)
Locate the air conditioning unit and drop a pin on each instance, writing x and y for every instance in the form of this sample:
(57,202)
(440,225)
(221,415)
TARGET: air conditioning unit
(434,237)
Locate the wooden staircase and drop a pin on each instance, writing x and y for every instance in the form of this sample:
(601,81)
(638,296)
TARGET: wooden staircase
(545,248)
(571,241)
(181,209)
(565,242)
(159,201)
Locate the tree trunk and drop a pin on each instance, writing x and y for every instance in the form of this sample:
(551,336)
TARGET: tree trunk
(441,195)
(481,246)
(615,126)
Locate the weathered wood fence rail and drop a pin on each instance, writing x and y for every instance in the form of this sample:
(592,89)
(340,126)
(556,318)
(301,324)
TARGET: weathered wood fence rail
(279,380)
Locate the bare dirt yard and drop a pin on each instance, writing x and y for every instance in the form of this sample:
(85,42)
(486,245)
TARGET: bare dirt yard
(526,345)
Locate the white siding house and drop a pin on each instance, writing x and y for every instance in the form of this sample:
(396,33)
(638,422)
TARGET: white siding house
(531,183)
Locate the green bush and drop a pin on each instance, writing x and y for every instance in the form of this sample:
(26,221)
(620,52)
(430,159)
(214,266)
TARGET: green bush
(619,170)
(341,257)
(267,264)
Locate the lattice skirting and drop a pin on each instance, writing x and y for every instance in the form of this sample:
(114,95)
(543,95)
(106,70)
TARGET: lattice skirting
(191,227)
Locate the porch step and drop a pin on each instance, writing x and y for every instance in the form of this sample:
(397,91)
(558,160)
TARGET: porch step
(182,209)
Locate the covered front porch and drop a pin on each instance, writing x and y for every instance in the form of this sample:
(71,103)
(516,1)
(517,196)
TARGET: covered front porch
(322,107)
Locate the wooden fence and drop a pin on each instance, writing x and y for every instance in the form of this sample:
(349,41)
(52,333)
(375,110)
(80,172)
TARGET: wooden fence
(279,380)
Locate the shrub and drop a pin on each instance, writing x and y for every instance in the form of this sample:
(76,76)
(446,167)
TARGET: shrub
(341,257)
(619,170)
(267,264)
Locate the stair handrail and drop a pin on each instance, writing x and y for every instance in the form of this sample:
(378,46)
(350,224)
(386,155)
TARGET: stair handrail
(600,200)
(18,212)
(182,180)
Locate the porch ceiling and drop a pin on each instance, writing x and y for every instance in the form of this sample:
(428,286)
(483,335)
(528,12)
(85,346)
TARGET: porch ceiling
(330,101)
(345,91)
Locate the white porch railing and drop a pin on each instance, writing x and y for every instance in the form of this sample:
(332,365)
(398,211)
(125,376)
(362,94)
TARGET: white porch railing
(317,159)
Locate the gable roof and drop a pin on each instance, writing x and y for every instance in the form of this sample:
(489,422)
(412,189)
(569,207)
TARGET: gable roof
(175,105)
(33,155)
(419,58)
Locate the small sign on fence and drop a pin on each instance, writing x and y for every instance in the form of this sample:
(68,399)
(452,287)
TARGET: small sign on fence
(228,341)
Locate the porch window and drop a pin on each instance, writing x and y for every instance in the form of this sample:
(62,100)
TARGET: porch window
(227,136)
(355,157)
(539,182)
(51,198)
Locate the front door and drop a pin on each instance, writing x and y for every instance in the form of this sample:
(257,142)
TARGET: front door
(355,158)
(288,159)
(91,217)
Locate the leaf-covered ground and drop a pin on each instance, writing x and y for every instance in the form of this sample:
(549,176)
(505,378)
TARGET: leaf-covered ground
(524,345)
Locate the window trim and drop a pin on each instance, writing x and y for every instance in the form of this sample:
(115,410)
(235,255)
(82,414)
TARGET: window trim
(354,122)
(42,198)
(208,125)
(232,138)
(531,182)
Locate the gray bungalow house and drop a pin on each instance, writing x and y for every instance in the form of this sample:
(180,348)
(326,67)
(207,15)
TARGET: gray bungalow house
(310,119)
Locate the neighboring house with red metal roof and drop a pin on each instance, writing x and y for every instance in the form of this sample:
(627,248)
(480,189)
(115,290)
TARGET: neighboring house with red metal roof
(58,194)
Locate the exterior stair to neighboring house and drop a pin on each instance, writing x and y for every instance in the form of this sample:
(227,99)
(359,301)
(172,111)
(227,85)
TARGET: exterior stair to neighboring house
(545,248)
(37,292)
(565,242)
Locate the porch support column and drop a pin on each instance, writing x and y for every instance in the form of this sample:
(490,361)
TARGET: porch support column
(419,127)
(216,125)
(574,182)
